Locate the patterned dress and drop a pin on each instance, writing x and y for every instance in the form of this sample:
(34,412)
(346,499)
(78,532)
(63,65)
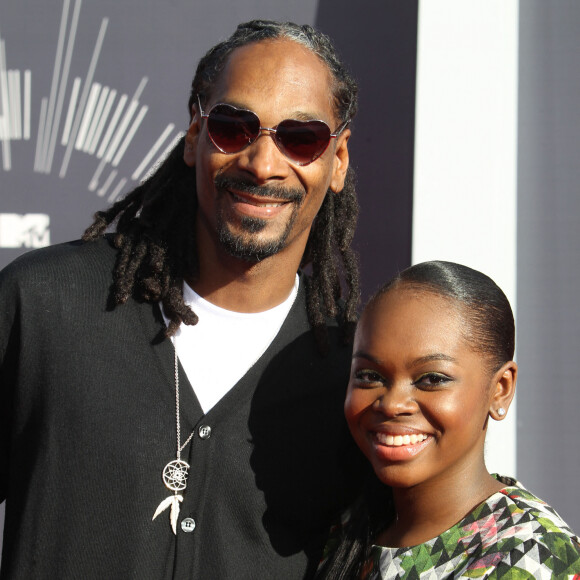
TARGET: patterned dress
(512,535)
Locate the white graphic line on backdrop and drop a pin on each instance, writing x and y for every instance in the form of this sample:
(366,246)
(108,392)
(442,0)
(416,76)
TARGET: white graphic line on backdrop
(94,124)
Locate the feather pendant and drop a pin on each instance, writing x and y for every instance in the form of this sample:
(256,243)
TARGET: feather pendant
(173,501)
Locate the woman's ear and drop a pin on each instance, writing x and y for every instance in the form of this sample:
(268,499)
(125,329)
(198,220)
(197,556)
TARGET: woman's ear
(503,390)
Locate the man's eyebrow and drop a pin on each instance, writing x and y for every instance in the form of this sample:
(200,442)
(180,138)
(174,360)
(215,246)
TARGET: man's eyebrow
(302,116)
(231,102)
(298,115)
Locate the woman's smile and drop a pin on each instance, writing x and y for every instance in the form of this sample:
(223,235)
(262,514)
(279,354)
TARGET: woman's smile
(419,395)
(398,447)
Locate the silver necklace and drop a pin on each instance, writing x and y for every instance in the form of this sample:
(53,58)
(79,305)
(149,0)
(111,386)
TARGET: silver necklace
(175,472)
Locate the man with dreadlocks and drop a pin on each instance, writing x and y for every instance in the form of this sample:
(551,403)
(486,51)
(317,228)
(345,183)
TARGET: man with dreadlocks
(171,393)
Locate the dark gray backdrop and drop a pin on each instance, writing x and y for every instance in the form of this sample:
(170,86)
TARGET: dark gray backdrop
(548,314)
(163,41)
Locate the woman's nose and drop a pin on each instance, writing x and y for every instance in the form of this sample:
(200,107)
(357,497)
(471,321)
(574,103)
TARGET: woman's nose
(395,400)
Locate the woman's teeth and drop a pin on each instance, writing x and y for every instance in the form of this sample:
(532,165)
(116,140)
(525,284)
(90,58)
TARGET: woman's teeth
(399,440)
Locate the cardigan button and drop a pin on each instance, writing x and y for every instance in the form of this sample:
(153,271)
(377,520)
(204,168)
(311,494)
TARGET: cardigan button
(204,432)
(188,525)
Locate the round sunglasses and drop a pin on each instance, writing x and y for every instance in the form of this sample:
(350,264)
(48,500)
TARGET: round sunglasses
(232,130)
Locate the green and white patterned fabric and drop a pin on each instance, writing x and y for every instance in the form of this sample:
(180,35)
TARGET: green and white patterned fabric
(512,535)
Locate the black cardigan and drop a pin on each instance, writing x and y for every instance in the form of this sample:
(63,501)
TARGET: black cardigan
(87,423)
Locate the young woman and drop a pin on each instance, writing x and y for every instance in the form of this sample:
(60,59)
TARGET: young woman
(432,364)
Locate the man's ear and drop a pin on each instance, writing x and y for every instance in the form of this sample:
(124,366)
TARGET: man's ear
(504,390)
(340,162)
(191,138)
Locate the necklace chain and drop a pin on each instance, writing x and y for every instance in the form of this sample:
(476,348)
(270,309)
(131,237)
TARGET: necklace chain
(175,472)
(180,447)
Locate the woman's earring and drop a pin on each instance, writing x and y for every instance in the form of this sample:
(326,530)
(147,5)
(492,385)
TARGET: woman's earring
(501,411)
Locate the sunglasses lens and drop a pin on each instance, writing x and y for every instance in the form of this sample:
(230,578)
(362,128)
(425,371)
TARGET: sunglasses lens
(302,141)
(232,129)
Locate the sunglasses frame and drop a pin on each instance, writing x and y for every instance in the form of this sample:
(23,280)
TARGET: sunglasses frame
(272,131)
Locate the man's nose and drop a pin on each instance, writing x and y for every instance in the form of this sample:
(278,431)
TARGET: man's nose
(263,159)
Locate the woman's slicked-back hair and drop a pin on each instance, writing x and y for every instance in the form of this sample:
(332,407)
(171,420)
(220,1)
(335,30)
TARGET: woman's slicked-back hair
(490,330)
(344,89)
(489,317)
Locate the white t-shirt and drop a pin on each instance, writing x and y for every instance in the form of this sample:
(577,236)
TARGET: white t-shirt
(218,351)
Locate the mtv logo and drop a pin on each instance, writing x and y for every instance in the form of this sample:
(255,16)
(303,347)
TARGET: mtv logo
(29,230)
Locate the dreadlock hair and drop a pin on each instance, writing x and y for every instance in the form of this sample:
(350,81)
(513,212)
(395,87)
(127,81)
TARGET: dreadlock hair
(155,223)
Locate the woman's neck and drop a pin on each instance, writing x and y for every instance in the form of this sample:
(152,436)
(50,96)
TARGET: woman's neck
(425,511)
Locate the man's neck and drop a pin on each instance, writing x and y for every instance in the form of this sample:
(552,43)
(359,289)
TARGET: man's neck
(242,286)
(251,292)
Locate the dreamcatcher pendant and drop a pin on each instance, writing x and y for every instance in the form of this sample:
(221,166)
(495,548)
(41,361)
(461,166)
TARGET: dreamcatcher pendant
(175,479)
(176,471)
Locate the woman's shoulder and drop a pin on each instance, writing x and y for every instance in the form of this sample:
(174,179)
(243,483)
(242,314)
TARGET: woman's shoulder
(513,534)
(521,507)
(523,533)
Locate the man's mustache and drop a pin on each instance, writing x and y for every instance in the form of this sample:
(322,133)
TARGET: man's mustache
(267,191)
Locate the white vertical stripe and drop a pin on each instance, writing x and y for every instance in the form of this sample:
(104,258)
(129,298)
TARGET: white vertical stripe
(140,88)
(6,156)
(102,120)
(10,117)
(84,96)
(112,148)
(117,190)
(88,116)
(27,95)
(121,131)
(40,136)
(94,182)
(62,88)
(155,165)
(71,111)
(107,183)
(112,126)
(130,134)
(465,152)
(96,119)
(54,85)
(18,104)
(11,104)
(147,159)
(15,109)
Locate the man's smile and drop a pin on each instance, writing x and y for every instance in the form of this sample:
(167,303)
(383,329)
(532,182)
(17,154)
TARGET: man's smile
(256,207)
(258,202)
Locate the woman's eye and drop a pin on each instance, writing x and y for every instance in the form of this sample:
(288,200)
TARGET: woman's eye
(431,380)
(368,377)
